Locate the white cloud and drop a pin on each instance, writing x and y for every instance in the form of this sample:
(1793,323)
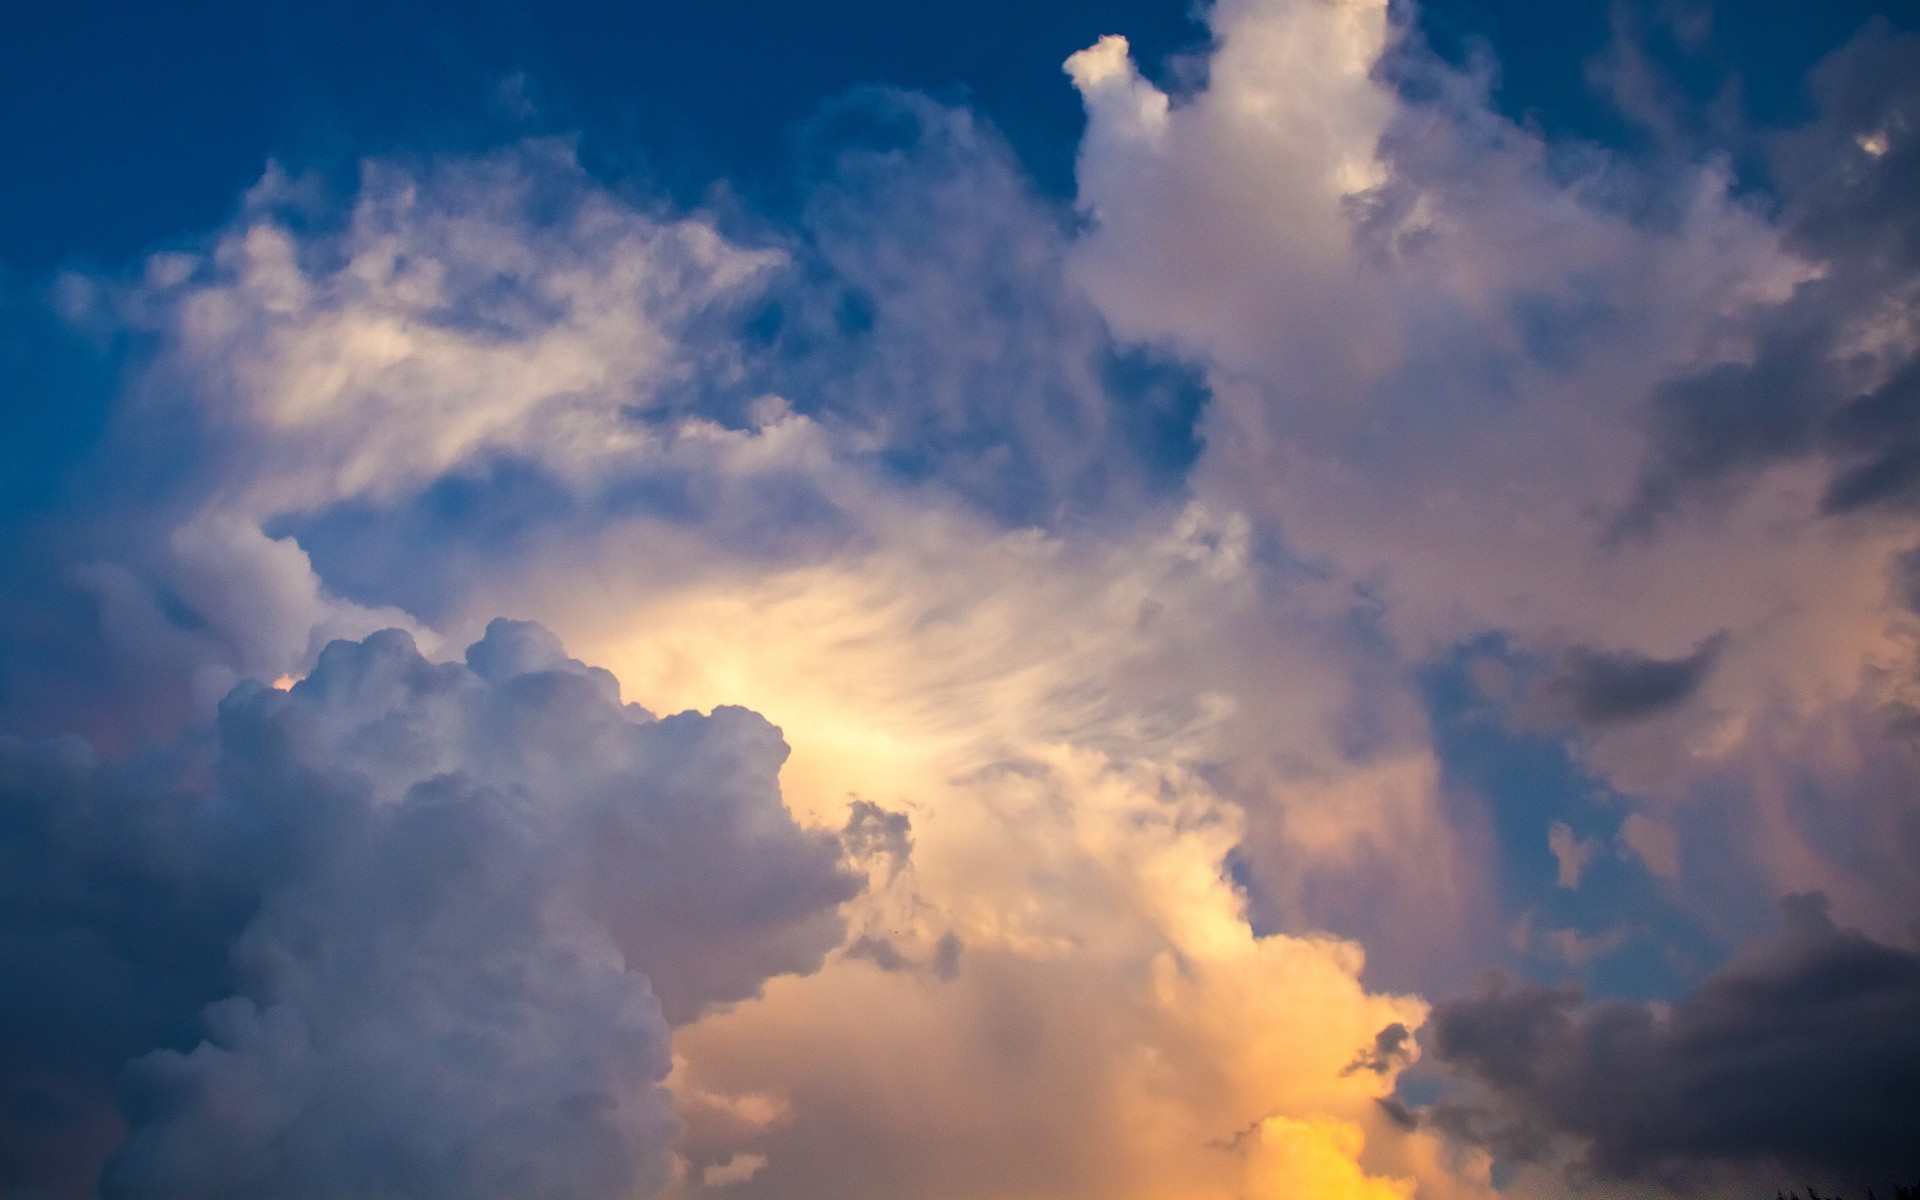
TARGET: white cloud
(1571,854)
(1432,345)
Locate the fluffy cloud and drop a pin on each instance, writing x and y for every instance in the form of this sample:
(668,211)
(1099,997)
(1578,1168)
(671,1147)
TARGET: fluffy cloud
(1114,1027)
(1455,371)
(1120,703)
(440,917)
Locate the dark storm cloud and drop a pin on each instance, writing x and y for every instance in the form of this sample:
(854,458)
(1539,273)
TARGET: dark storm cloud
(1879,436)
(1602,688)
(117,904)
(1820,381)
(1804,1055)
(410,928)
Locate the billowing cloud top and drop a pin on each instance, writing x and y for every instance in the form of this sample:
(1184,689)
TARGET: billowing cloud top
(460,905)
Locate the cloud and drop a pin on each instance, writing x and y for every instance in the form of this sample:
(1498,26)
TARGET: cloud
(1601,688)
(1445,353)
(1002,707)
(440,328)
(115,918)
(873,834)
(432,920)
(1832,367)
(1798,1057)
(1391,1047)
(738,1169)
(1570,854)
(1094,566)
(1112,1019)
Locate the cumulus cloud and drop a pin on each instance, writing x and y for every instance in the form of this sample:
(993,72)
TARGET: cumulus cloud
(1095,566)
(1798,1057)
(1009,725)
(433,921)
(1111,1025)
(1446,354)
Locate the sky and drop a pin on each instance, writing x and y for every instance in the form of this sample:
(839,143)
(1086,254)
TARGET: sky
(1289,598)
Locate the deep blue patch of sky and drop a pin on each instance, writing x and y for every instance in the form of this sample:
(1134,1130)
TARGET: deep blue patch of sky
(127,123)
(1548,52)
(123,124)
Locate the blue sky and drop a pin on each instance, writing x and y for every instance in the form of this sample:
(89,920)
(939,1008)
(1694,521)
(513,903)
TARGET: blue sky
(193,100)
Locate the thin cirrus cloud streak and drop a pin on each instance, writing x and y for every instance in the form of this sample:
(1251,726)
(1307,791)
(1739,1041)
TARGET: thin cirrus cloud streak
(1112,827)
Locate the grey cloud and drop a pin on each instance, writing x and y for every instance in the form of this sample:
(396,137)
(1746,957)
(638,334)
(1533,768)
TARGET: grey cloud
(417,1018)
(1878,437)
(409,928)
(1815,384)
(117,906)
(1392,1047)
(1801,1056)
(943,963)
(1399,1113)
(1850,199)
(1603,688)
(879,951)
(1713,426)
(877,834)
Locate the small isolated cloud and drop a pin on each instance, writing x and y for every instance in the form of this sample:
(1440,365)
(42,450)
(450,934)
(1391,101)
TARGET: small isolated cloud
(1392,1048)
(1570,854)
(1581,950)
(738,1169)
(1799,1057)
(877,835)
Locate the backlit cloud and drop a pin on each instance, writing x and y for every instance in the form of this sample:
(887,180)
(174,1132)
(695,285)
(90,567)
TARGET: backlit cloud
(1152,651)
